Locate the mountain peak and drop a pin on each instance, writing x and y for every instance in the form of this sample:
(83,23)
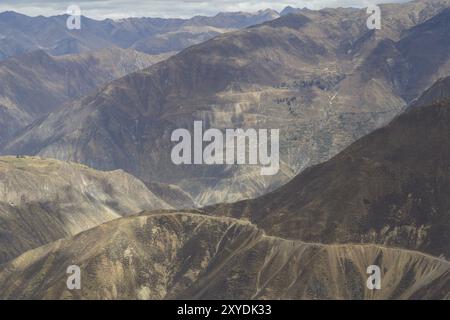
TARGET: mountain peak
(268,11)
(290,10)
(11,13)
(9,17)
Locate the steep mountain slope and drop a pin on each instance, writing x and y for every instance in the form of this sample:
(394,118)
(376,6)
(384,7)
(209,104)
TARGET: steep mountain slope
(438,92)
(397,18)
(45,200)
(35,84)
(321,77)
(411,67)
(200,29)
(172,194)
(20,33)
(391,187)
(226,79)
(187,256)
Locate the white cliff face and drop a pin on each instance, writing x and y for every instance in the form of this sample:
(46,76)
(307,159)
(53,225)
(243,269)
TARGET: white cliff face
(44,200)
(152,36)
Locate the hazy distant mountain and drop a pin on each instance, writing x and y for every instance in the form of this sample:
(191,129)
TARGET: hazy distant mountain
(43,200)
(235,19)
(187,256)
(20,33)
(321,77)
(390,188)
(291,10)
(34,84)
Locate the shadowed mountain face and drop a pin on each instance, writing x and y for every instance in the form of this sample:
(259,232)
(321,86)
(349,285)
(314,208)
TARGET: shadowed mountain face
(412,67)
(321,77)
(20,33)
(390,188)
(34,84)
(439,92)
(45,200)
(187,256)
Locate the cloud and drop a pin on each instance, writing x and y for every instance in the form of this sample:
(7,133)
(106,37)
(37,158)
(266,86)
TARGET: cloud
(101,9)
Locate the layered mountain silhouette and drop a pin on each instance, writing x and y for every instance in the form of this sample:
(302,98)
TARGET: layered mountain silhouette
(439,92)
(21,33)
(382,201)
(364,120)
(43,200)
(320,76)
(35,84)
(388,188)
(188,256)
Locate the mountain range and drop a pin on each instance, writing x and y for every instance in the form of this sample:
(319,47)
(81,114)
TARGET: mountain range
(188,256)
(43,200)
(35,83)
(20,33)
(321,76)
(381,201)
(87,179)
(388,188)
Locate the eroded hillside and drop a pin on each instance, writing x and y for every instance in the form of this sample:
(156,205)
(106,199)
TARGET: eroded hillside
(43,200)
(173,256)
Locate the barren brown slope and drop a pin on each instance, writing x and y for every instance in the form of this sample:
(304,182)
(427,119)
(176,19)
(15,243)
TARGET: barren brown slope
(173,256)
(296,73)
(34,84)
(391,187)
(43,200)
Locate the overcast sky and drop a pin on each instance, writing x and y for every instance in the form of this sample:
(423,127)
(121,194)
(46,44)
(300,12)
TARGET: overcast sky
(100,9)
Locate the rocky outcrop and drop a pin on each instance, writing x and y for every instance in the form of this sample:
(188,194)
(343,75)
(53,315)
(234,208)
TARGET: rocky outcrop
(321,77)
(148,35)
